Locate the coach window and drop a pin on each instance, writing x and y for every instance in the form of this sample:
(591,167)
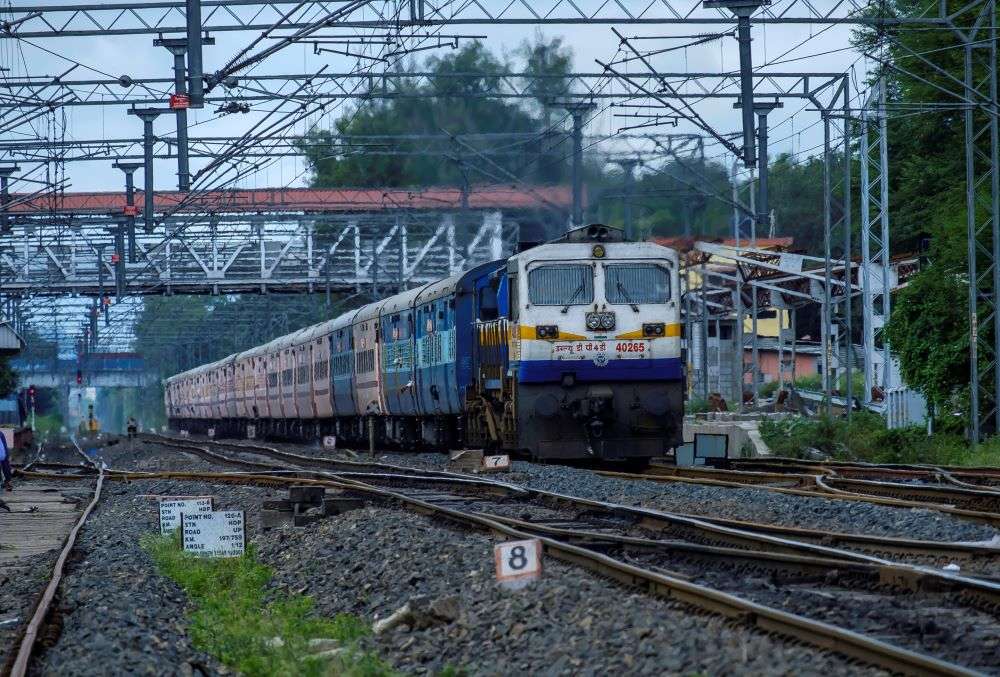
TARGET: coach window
(636,283)
(562,285)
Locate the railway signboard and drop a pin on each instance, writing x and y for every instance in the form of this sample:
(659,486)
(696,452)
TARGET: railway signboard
(251,432)
(211,432)
(518,562)
(219,533)
(171,508)
(329,442)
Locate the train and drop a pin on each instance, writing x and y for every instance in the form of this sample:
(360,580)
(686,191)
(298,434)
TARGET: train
(570,349)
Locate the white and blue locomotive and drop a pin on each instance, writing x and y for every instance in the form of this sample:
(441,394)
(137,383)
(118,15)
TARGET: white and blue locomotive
(571,349)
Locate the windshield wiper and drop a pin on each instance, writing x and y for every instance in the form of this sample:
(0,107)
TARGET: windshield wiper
(625,295)
(572,298)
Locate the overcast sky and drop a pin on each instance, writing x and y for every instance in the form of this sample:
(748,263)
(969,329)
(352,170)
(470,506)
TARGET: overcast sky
(795,128)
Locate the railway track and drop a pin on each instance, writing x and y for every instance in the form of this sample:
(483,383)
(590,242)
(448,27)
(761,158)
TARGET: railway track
(33,630)
(970,502)
(984,477)
(970,556)
(664,553)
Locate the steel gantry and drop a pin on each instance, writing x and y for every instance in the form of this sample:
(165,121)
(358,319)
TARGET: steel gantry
(876,273)
(272,241)
(167,17)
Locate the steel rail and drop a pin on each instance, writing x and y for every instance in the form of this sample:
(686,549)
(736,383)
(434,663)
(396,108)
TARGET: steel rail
(767,619)
(27,644)
(779,461)
(825,492)
(966,477)
(976,500)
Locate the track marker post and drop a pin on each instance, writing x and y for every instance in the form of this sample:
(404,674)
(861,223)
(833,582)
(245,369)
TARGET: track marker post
(518,563)
(498,463)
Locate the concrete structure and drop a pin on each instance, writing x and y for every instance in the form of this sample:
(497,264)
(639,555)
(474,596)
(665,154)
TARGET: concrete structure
(98,370)
(10,342)
(741,431)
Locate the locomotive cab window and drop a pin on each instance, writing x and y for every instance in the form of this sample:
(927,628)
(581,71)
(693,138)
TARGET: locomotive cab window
(561,285)
(634,283)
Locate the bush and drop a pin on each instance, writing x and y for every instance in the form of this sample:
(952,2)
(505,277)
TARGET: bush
(867,439)
(695,406)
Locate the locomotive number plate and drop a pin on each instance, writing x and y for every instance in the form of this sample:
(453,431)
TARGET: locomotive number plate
(600,351)
(634,347)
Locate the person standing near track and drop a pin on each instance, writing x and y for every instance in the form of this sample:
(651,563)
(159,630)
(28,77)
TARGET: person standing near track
(6,474)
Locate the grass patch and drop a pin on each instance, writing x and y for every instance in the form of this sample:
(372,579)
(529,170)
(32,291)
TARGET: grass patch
(233,621)
(48,425)
(866,438)
(814,382)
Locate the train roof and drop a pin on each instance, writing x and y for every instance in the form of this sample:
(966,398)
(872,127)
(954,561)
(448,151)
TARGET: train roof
(369,311)
(563,251)
(461,281)
(403,300)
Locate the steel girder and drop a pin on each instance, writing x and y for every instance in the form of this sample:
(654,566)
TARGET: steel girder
(150,18)
(237,253)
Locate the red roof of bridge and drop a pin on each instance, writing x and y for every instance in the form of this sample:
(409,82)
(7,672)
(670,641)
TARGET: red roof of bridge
(507,197)
(682,243)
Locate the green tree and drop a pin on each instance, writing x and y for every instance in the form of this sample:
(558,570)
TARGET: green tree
(408,156)
(929,333)
(929,326)
(8,378)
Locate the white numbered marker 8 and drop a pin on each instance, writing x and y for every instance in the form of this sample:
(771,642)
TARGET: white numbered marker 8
(518,562)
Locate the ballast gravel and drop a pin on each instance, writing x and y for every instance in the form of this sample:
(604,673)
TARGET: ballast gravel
(752,504)
(372,561)
(20,585)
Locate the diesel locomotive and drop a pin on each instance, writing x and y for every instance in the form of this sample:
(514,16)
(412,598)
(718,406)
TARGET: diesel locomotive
(568,350)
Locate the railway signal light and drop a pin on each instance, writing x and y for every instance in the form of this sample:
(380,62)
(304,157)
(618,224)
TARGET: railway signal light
(79,377)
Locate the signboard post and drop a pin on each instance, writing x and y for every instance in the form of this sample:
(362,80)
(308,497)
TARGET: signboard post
(214,534)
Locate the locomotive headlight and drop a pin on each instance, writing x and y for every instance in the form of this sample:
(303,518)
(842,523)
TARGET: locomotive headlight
(608,321)
(653,329)
(547,331)
(593,321)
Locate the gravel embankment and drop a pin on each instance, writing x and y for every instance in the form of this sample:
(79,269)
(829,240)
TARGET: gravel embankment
(372,561)
(118,615)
